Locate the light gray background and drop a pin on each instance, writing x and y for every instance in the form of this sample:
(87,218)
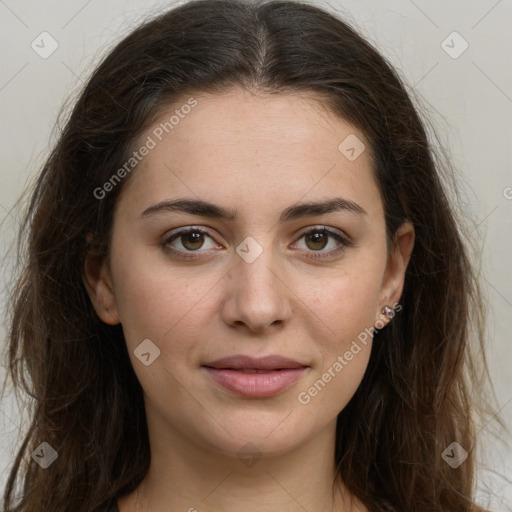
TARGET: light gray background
(469,100)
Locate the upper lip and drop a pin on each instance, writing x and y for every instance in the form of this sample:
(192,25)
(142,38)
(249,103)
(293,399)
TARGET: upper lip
(242,362)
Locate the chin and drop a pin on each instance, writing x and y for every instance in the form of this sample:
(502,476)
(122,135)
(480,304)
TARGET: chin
(269,433)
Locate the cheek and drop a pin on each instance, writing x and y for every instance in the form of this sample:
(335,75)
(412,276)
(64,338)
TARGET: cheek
(346,303)
(345,308)
(150,301)
(156,304)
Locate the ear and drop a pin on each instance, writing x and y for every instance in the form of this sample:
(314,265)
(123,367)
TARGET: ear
(394,275)
(98,283)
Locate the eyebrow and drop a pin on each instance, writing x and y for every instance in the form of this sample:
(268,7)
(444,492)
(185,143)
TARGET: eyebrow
(206,209)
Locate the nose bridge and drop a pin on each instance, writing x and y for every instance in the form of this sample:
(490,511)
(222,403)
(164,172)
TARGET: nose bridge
(256,263)
(257,296)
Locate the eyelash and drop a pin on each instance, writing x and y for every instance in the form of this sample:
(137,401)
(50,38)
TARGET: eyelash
(344,243)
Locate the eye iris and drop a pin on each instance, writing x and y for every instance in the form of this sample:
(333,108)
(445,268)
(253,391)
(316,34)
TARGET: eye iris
(191,239)
(317,237)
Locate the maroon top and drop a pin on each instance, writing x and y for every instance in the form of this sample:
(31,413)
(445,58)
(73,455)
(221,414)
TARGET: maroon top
(115,508)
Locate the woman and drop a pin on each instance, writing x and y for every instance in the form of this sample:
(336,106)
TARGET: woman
(245,287)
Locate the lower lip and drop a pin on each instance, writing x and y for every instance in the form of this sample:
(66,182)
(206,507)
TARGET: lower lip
(256,385)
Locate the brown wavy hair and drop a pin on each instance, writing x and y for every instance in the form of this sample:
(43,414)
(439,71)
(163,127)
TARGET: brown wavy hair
(421,390)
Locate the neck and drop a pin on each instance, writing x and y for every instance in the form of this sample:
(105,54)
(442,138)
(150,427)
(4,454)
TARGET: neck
(189,477)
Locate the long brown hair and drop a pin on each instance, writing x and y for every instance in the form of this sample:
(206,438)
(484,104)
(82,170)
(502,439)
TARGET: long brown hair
(420,391)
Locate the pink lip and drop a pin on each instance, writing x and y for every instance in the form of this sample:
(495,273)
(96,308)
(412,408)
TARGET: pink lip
(255,377)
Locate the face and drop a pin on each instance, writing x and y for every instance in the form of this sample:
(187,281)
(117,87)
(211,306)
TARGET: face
(245,268)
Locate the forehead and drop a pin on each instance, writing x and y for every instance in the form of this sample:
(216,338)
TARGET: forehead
(256,148)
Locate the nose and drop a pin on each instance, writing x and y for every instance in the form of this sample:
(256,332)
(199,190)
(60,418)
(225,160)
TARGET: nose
(257,296)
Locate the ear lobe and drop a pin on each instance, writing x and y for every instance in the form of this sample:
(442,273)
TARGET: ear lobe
(98,283)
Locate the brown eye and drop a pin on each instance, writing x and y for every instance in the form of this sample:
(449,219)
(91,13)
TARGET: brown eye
(187,241)
(316,239)
(319,240)
(192,240)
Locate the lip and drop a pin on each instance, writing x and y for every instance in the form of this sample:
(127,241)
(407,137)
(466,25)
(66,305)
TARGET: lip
(255,377)
(242,362)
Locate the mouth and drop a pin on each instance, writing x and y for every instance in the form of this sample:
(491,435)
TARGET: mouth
(255,377)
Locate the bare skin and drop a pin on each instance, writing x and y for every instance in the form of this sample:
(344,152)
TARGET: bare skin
(258,155)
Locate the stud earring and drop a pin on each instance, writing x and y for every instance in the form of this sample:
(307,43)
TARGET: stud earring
(386,310)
